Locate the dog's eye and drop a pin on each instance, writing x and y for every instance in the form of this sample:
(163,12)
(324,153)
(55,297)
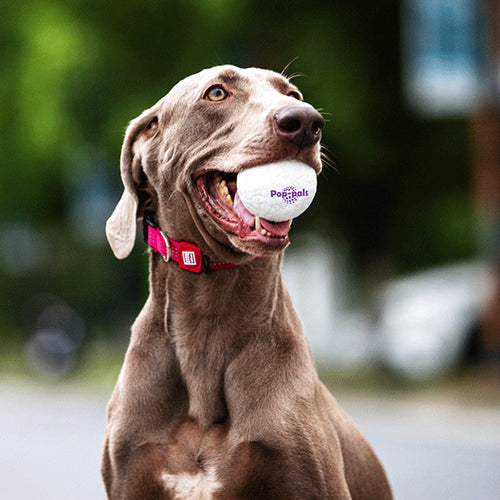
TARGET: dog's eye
(216,93)
(295,95)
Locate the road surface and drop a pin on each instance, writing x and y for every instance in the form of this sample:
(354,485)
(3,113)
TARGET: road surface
(51,440)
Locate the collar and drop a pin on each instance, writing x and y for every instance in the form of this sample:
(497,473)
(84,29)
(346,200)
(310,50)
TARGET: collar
(187,255)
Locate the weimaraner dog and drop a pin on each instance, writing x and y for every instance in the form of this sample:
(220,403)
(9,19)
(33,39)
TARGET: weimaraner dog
(218,397)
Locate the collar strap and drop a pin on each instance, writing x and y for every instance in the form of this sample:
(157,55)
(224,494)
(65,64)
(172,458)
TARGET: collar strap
(187,255)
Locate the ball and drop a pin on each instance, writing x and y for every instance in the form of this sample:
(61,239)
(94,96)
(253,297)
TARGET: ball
(277,191)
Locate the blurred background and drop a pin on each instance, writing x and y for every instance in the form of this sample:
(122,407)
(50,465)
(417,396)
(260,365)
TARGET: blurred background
(395,268)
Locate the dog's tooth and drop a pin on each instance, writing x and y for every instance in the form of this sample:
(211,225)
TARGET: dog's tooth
(229,199)
(263,231)
(224,190)
(290,223)
(257,223)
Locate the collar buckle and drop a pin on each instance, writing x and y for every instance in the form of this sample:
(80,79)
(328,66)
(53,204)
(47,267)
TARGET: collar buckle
(168,248)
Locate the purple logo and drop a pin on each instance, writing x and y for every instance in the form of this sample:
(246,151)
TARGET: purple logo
(289,194)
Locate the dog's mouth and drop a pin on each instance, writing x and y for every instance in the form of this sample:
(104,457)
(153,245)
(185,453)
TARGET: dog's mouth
(219,195)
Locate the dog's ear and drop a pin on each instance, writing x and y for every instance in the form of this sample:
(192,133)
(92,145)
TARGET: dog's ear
(121,226)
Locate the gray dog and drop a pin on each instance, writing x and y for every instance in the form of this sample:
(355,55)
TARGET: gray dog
(218,397)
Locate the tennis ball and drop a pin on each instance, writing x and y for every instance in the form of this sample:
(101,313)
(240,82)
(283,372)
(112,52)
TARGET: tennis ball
(277,191)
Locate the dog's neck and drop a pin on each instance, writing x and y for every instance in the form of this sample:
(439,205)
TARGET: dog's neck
(209,318)
(194,293)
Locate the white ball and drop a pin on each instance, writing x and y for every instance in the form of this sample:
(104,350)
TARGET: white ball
(277,191)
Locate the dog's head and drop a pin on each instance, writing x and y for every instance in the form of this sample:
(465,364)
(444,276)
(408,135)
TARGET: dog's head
(180,158)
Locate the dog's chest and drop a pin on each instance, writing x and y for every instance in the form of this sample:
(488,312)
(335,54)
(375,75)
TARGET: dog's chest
(195,461)
(185,486)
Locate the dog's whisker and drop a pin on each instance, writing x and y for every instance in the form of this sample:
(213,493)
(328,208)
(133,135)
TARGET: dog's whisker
(296,75)
(283,71)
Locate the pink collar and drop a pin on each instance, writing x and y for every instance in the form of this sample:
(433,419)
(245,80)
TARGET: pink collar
(187,255)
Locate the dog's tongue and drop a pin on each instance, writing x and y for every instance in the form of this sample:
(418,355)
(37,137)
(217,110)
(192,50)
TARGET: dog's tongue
(277,228)
(242,211)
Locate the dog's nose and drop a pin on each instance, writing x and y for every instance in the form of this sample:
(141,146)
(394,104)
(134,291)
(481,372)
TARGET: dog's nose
(300,124)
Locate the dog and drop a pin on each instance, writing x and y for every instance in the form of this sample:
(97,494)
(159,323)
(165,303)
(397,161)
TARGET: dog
(218,396)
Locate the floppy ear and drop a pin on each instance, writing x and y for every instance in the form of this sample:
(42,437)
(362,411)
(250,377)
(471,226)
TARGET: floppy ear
(121,226)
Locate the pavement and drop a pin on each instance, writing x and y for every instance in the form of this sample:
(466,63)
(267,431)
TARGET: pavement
(51,439)
(432,450)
